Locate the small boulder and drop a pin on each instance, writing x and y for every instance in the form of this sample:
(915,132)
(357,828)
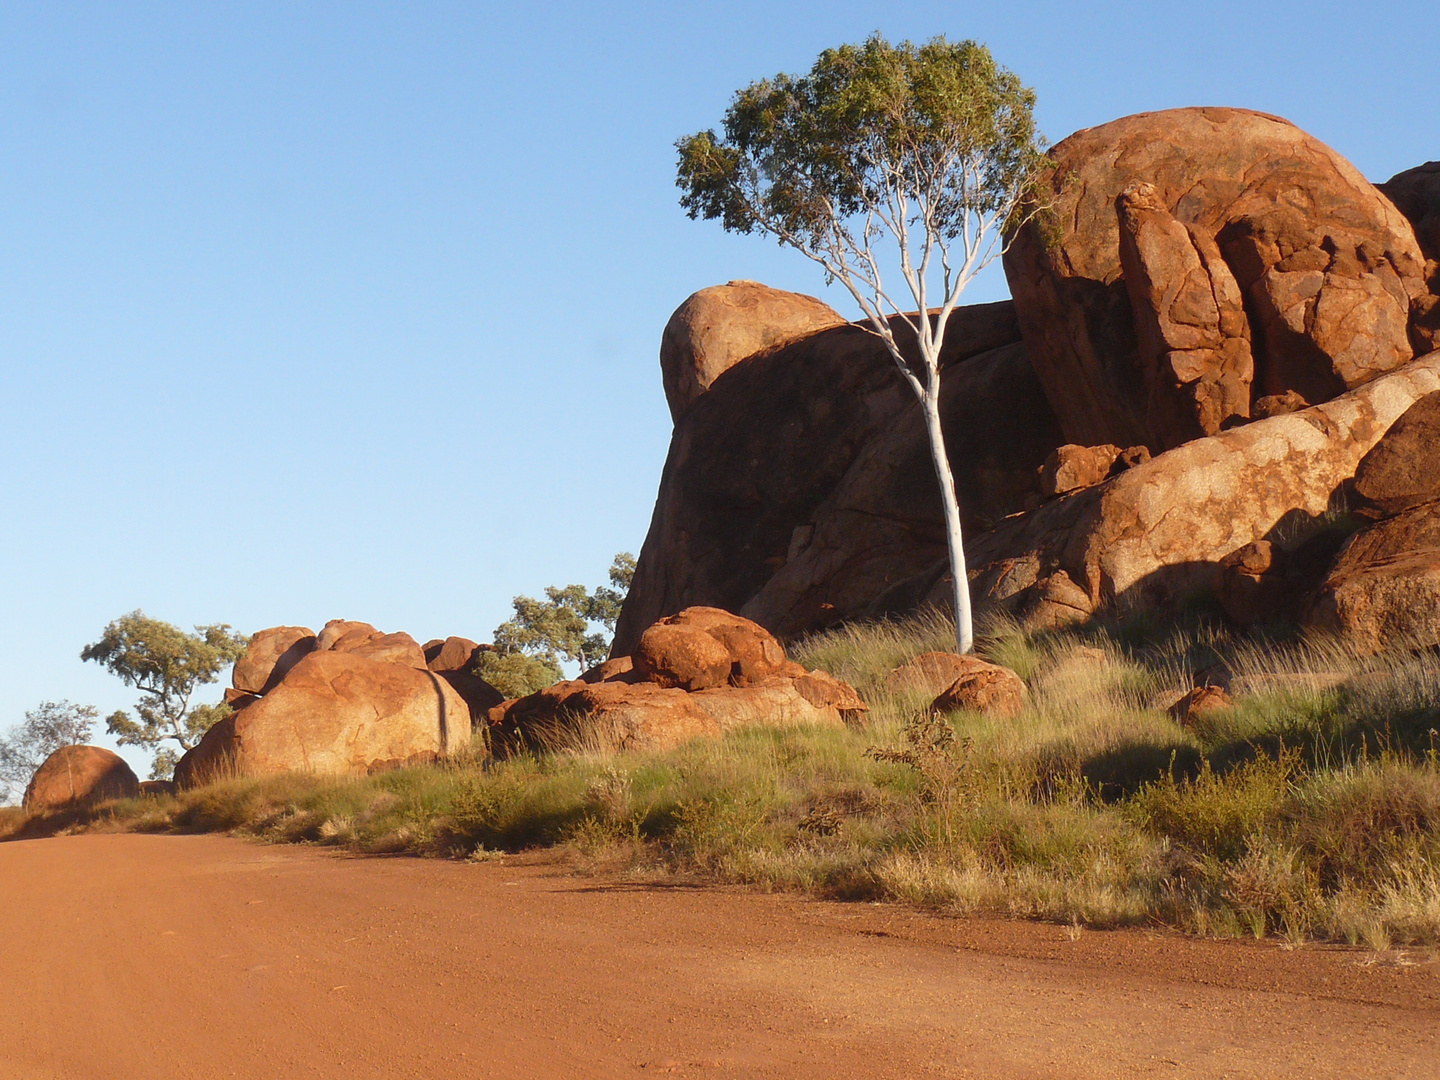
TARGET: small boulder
(1249,585)
(270,656)
(80,774)
(1402,469)
(335,629)
(456,660)
(1198,703)
(984,687)
(703,647)
(616,669)
(930,672)
(157,788)
(1071,467)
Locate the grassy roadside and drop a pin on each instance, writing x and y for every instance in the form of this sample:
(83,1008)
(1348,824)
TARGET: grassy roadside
(1311,809)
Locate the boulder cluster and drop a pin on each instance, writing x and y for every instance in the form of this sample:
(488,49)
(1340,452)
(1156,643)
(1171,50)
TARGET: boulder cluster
(1215,320)
(349,700)
(702,671)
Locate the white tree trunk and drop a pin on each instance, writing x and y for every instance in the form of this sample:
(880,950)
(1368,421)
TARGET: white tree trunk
(964,626)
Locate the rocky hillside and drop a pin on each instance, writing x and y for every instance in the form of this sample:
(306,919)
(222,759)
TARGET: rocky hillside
(1213,325)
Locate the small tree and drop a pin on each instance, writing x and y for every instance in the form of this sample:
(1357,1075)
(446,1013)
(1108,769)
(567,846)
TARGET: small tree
(167,666)
(530,648)
(933,146)
(47,727)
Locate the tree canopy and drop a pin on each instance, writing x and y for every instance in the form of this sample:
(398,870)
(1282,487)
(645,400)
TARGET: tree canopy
(167,666)
(924,158)
(531,647)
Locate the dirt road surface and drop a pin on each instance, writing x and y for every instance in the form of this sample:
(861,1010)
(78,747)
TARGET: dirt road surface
(199,957)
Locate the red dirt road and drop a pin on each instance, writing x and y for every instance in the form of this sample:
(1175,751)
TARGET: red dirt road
(198,957)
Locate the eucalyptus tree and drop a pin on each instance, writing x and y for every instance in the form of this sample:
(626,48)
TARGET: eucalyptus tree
(167,665)
(924,158)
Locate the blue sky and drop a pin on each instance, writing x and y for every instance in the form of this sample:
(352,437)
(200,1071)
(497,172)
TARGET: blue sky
(351,310)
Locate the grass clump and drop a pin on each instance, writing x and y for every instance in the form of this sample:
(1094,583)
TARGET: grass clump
(1310,808)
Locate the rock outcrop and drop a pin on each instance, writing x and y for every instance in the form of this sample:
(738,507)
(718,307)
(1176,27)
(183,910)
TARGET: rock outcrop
(1158,531)
(718,327)
(1194,260)
(75,775)
(700,672)
(336,713)
(1416,193)
(799,489)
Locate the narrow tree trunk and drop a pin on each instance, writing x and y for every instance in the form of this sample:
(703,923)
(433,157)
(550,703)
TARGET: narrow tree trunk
(964,627)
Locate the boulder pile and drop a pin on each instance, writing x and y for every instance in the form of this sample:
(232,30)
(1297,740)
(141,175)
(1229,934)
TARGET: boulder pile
(349,700)
(700,672)
(1215,319)
(74,775)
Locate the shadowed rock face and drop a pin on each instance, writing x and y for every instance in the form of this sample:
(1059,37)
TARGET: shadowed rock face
(1166,228)
(80,774)
(799,488)
(1416,193)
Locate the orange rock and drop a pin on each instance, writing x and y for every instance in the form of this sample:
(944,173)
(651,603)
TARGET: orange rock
(397,648)
(1200,702)
(269,656)
(616,669)
(1327,268)
(1402,469)
(1070,467)
(451,654)
(612,716)
(755,653)
(718,327)
(984,687)
(930,672)
(685,657)
(336,713)
(335,629)
(80,774)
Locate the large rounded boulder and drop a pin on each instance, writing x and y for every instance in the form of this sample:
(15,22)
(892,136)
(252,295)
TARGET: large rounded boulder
(718,327)
(335,713)
(74,775)
(1193,263)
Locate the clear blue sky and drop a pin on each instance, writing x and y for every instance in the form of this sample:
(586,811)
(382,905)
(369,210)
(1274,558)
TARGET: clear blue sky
(351,310)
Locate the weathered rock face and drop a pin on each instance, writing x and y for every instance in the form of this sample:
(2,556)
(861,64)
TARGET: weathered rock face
(1200,703)
(1384,590)
(1070,467)
(718,327)
(335,713)
(799,489)
(270,656)
(1167,228)
(397,648)
(1416,194)
(930,672)
(1158,531)
(1192,338)
(617,716)
(1403,469)
(80,774)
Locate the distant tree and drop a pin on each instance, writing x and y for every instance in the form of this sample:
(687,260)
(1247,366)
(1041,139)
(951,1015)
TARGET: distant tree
(531,647)
(46,728)
(933,146)
(167,666)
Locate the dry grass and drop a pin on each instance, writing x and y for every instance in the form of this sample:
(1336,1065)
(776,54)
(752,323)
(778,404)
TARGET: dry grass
(1311,809)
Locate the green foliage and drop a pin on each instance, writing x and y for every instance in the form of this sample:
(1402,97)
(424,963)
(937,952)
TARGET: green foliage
(517,674)
(877,133)
(46,728)
(167,666)
(558,628)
